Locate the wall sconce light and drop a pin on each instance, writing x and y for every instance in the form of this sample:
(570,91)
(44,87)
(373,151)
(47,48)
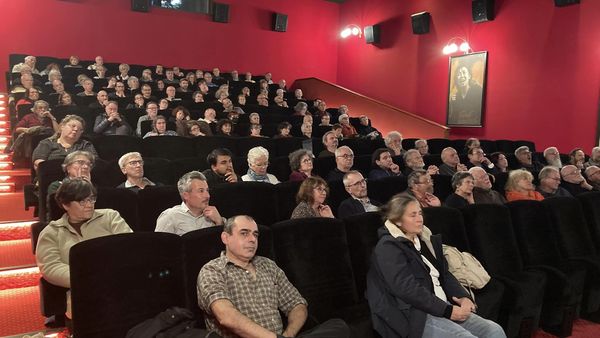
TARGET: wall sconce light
(457,44)
(351,29)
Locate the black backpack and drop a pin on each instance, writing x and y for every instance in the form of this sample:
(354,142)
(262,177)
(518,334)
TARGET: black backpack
(175,322)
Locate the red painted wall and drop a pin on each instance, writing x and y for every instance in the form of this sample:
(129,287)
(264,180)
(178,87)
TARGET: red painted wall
(543,75)
(108,27)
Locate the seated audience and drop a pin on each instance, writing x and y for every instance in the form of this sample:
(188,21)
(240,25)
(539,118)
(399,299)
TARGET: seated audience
(65,141)
(133,84)
(500,162)
(321,108)
(462,184)
(519,186)
(138,102)
(311,199)
(393,140)
(221,168)
(255,130)
(31,95)
(549,186)
(483,192)
(73,62)
(413,160)
(123,72)
(477,159)
(26,83)
(151,114)
(306,129)
(471,143)
(301,163)
(258,162)
(325,120)
(80,222)
(409,289)
(358,202)
(29,61)
(367,131)
(132,166)
(255,312)
(348,130)
(88,88)
(422,146)
(593,176)
(574,181)
(594,158)
(420,187)
(159,128)
(254,118)
(577,158)
(210,116)
(111,122)
(337,131)
(451,162)
(197,128)
(40,117)
(344,160)
(331,144)
(552,157)
(283,130)
(194,212)
(300,108)
(525,161)
(101,101)
(224,128)
(98,61)
(66,100)
(383,165)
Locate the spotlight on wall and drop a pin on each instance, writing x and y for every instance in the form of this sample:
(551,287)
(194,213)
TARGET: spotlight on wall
(456,44)
(351,30)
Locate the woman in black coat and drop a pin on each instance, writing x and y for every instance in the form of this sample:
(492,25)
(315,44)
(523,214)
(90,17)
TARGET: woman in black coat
(409,289)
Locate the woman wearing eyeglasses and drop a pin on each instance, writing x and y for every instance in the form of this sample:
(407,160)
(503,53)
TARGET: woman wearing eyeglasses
(311,199)
(301,163)
(80,222)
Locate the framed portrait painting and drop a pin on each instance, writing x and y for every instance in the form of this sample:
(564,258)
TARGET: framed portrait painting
(466,90)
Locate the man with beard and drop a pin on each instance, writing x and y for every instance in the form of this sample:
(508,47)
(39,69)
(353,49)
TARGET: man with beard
(358,202)
(594,158)
(331,143)
(383,165)
(552,157)
(194,212)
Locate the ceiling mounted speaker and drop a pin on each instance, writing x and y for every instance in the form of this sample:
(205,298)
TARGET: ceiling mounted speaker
(563,3)
(140,5)
(420,22)
(280,22)
(221,13)
(482,10)
(372,34)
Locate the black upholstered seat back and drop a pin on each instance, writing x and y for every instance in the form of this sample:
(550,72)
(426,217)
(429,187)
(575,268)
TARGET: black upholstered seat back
(449,223)
(590,203)
(120,280)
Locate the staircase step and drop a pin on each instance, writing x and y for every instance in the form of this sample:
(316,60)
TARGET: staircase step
(15,230)
(17,253)
(19,278)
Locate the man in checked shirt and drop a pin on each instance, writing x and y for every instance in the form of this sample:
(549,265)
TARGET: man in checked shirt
(241,294)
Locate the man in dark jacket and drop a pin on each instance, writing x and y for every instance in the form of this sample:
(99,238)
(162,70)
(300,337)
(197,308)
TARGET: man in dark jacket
(358,202)
(409,289)
(221,168)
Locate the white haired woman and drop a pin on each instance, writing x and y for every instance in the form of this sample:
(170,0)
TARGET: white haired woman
(258,162)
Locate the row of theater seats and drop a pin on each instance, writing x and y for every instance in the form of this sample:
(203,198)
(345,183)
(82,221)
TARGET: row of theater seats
(542,256)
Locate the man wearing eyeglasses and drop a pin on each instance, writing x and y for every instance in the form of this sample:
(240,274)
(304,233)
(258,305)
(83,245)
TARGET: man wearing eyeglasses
(593,176)
(358,202)
(574,181)
(549,185)
(344,160)
(132,166)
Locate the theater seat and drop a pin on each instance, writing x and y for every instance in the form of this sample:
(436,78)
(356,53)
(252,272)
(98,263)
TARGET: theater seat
(113,147)
(575,243)
(112,276)
(590,202)
(538,245)
(152,201)
(315,256)
(449,223)
(286,198)
(382,190)
(257,199)
(169,147)
(493,242)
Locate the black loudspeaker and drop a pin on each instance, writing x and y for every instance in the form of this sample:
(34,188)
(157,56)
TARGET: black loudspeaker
(563,3)
(280,22)
(140,5)
(221,13)
(420,22)
(482,10)
(372,34)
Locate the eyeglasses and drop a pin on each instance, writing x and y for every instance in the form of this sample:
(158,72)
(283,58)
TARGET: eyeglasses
(82,163)
(307,160)
(90,200)
(321,189)
(347,156)
(266,164)
(361,182)
(424,182)
(135,162)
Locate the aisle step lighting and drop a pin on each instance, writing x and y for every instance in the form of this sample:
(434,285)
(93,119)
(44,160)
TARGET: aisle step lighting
(7,187)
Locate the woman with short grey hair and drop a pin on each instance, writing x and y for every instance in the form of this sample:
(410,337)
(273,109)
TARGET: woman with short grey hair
(258,162)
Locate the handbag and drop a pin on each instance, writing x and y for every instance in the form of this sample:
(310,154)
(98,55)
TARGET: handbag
(466,268)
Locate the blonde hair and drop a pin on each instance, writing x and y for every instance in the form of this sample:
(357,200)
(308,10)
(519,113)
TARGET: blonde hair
(515,176)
